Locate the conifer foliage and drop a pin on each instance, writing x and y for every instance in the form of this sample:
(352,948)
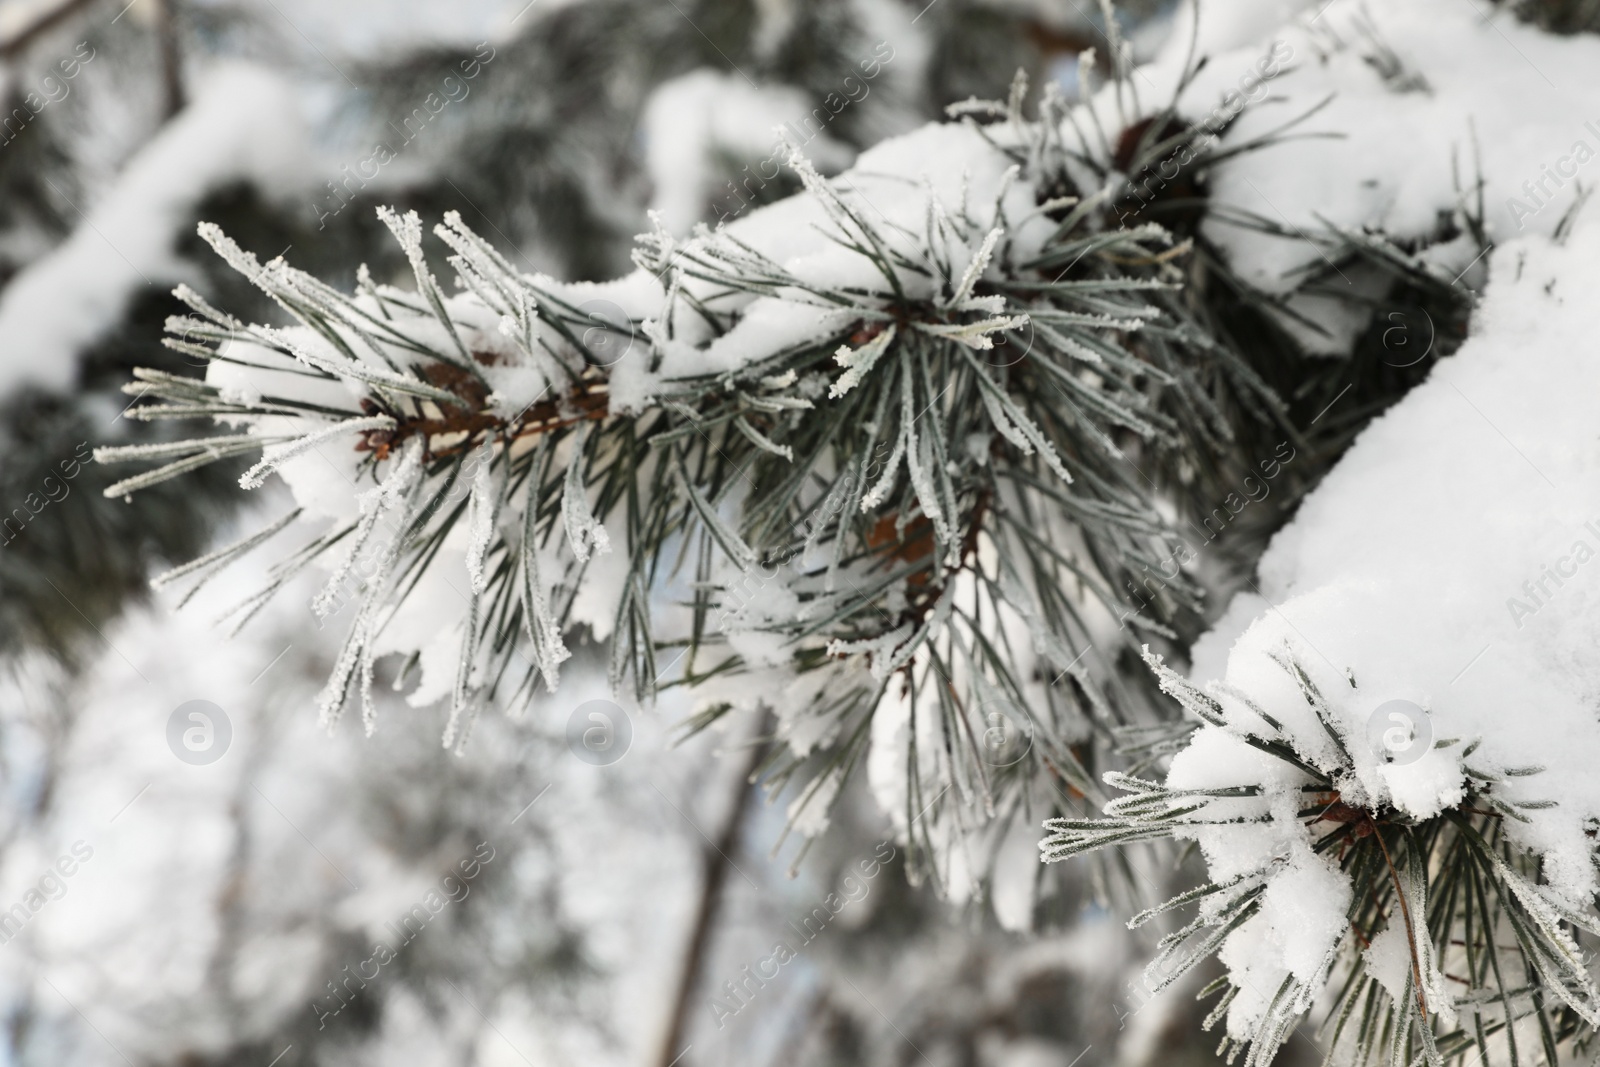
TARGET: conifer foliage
(876,437)
(879,462)
(1426,898)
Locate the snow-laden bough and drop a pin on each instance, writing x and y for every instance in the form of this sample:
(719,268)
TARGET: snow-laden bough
(1431,873)
(854,458)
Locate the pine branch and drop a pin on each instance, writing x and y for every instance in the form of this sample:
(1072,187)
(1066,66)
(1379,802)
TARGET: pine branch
(844,472)
(1452,884)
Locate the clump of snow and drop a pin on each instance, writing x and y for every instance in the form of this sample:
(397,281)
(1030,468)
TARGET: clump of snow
(696,123)
(1411,91)
(244,125)
(947,168)
(1339,116)
(1446,561)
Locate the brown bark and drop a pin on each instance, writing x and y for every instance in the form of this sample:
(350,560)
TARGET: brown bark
(717,862)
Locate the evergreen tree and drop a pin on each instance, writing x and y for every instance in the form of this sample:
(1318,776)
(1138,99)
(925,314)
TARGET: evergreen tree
(910,469)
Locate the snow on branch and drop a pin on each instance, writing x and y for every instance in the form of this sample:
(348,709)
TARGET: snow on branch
(1391,779)
(675,461)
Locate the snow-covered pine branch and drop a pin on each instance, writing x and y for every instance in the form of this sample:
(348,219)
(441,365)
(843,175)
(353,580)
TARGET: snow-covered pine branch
(1433,907)
(1390,742)
(858,456)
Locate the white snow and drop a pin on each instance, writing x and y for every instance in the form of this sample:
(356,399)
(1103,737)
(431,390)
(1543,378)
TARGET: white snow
(1444,561)
(244,124)
(361,29)
(891,186)
(1527,97)
(703,118)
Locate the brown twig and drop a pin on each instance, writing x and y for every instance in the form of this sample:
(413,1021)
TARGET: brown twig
(590,400)
(166,28)
(716,862)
